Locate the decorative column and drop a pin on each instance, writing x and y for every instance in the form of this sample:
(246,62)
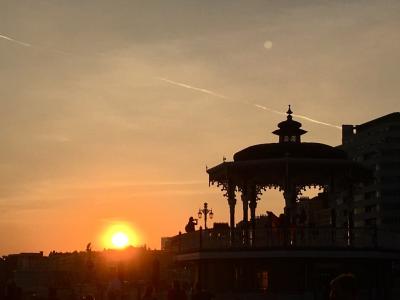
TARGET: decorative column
(232,202)
(289,193)
(252,204)
(290,196)
(245,200)
(290,201)
(330,189)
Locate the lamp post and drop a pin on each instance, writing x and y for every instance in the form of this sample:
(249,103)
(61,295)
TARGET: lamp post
(206,212)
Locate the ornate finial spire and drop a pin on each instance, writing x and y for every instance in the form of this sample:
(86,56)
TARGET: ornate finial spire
(289,112)
(289,130)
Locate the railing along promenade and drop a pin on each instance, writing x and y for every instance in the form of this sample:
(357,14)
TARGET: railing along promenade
(286,238)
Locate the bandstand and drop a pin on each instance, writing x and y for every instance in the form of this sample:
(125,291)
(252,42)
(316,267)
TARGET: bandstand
(292,260)
(290,166)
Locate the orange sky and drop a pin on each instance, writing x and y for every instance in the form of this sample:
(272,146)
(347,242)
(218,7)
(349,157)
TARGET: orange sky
(99,125)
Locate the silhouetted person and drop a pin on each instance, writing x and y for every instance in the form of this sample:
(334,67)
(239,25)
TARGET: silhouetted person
(114,289)
(283,228)
(344,287)
(190,226)
(176,293)
(333,218)
(149,294)
(13,292)
(302,217)
(282,221)
(201,294)
(268,222)
(52,293)
(155,273)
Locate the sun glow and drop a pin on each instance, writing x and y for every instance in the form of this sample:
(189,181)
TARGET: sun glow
(120,240)
(119,236)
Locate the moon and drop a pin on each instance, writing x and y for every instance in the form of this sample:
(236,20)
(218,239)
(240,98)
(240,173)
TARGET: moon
(268,45)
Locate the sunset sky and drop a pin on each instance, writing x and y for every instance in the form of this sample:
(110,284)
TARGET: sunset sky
(111,110)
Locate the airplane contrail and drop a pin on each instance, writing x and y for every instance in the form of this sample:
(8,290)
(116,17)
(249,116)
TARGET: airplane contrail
(25,44)
(5,37)
(209,92)
(192,88)
(317,122)
(183,85)
(299,116)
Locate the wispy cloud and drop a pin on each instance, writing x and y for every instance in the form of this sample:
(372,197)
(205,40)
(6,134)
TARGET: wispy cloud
(19,205)
(46,185)
(212,93)
(183,182)
(54,138)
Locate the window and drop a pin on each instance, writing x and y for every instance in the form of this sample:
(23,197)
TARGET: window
(262,280)
(369,195)
(391,220)
(394,128)
(359,210)
(370,208)
(392,139)
(293,138)
(370,222)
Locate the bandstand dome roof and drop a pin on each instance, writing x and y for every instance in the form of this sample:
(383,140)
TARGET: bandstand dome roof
(289,145)
(294,150)
(302,162)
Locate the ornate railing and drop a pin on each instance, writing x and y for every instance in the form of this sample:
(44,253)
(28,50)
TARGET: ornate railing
(286,238)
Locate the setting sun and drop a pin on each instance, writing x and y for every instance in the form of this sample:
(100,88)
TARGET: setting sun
(119,236)
(120,240)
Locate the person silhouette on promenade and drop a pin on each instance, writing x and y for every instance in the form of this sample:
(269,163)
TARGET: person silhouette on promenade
(176,293)
(344,287)
(149,293)
(201,294)
(190,226)
(114,288)
(13,292)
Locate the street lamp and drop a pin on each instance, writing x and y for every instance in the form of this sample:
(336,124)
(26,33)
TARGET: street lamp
(205,211)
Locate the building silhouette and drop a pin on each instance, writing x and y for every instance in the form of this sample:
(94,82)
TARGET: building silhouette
(74,275)
(376,144)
